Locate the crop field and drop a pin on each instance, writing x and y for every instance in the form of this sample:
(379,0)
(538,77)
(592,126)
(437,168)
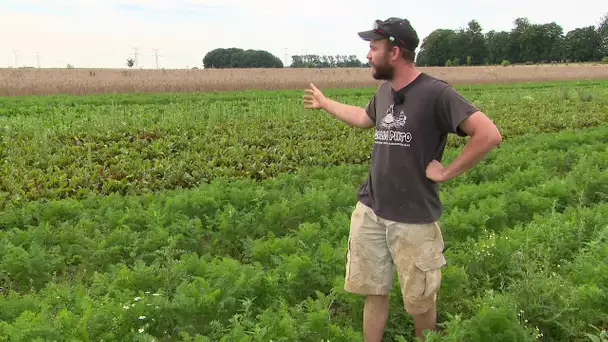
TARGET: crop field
(93,81)
(224,216)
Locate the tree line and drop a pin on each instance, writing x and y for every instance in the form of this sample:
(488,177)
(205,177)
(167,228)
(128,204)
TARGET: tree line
(525,43)
(238,58)
(326,61)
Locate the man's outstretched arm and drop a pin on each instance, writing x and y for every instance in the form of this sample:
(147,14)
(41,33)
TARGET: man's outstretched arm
(351,115)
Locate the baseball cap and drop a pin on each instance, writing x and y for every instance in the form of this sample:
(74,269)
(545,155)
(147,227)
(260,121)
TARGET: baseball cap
(397,30)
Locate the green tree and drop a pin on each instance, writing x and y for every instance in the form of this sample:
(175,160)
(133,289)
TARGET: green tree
(525,42)
(437,48)
(554,35)
(582,45)
(475,49)
(541,43)
(239,58)
(602,30)
(325,61)
(514,47)
(497,44)
(459,44)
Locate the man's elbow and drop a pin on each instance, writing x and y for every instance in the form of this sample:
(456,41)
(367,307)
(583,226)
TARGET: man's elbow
(495,137)
(489,137)
(481,129)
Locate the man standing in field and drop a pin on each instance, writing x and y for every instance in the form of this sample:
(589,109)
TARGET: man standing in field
(396,220)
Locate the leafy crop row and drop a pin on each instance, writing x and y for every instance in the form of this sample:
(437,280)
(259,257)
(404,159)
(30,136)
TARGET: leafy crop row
(73,147)
(247,260)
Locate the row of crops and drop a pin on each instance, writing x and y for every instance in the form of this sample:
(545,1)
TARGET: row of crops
(225,217)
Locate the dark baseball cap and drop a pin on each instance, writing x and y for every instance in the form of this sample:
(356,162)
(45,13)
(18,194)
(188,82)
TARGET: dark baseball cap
(397,30)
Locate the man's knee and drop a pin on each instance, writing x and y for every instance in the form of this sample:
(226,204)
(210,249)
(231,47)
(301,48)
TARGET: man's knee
(377,306)
(421,308)
(377,299)
(420,295)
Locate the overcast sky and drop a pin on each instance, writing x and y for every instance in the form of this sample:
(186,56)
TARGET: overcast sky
(104,33)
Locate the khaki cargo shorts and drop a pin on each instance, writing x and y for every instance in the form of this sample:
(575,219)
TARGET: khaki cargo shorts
(376,247)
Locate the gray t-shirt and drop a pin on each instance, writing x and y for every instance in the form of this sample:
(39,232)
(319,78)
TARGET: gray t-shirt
(409,136)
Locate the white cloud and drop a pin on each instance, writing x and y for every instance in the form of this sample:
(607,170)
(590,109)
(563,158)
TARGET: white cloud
(90,33)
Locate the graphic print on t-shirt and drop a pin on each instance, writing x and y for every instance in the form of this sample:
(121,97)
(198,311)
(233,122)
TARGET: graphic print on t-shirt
(393,134)
(389,120)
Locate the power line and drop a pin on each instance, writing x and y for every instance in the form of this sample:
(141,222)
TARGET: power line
(136,55)
(156,57)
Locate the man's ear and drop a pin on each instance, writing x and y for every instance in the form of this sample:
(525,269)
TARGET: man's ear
(395,52)
(398,52)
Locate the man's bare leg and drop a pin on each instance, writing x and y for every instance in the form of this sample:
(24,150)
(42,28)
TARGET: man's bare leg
(425,321)
(375,315)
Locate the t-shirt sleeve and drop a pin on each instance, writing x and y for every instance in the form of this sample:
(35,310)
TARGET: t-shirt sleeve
(451,109)
(370,108)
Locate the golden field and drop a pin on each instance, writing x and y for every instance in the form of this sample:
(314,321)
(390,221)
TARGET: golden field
(89,81)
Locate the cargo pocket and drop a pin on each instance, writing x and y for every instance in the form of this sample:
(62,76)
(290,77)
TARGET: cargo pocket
(348,259)
(432,275)
(352,267)
(425,279)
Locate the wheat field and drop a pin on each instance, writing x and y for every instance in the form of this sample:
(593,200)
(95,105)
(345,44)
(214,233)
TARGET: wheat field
(32,81)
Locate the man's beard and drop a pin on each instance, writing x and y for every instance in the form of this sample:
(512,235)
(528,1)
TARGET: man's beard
(383,72)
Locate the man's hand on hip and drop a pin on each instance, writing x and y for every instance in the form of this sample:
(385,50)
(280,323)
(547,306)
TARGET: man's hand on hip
(435,172)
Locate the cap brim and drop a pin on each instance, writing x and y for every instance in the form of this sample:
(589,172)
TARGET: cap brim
(370,35)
